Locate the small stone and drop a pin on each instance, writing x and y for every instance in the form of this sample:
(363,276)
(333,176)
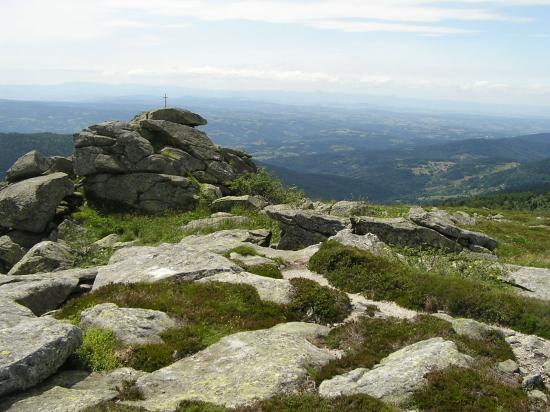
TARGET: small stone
(533,380)
(508,366)
(537,394)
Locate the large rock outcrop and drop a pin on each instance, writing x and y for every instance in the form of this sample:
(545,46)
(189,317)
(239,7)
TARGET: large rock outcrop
(302,228)
(145,164)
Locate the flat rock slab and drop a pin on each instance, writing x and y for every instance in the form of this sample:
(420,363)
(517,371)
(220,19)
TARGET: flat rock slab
(131,326)
(212,222)
(253,260)
(273,290)
(239,369)
(39,293)
(34,349)
(227,203)
(368,242)
(535,281)
(398,375)
(71,390)
(11,313)
(59,399)
(152,264)
(224,240)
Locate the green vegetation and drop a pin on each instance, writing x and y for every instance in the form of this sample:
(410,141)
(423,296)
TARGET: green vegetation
(266,185)
(267,270)
(534,201)
(453,264)
(243,250)
(312,302)
(206,312)
(384,278)
(368,340)
(305,402)
(97,351)
(469,390)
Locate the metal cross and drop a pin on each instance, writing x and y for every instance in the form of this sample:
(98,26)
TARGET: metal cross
(165,100)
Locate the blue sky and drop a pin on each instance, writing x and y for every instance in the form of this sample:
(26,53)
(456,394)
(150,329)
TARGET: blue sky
(468,50)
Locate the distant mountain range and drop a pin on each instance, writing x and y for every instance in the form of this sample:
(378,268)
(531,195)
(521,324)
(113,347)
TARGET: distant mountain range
(332,153)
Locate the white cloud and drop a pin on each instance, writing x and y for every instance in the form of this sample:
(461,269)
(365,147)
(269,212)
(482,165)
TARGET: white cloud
(228,72)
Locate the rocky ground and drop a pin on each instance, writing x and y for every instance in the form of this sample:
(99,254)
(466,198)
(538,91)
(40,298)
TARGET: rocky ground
(215,292)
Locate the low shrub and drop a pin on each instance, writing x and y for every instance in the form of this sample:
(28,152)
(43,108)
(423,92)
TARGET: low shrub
(367,341)
(312,302)
(263,183)
(206,311)
(385,278)
(468,390)
(267,270)
(97,351)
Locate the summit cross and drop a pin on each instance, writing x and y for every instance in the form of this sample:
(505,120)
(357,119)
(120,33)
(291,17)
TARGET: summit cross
(165,100)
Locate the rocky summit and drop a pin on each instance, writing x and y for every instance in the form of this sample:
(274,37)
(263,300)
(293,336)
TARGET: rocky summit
(153,270)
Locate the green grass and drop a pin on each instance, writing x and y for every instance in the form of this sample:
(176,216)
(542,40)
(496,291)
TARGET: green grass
(367,340)
(206,312)
(312,302)
(520,244)
(385,278)
(469,390)
(267,270)
(243,250)
(305,402)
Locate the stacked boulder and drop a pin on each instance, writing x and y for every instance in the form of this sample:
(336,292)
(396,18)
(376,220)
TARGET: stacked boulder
(37,194)
(156,162)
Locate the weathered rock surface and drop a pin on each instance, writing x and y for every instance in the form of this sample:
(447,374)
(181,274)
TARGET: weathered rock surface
(11,313)
(131,326)
(146,192)
(534,282)
(398,375)
(174,115)
(31,204)
(253,260)
(239,369)
(443,223)
(32,350)
(29,165)
(402,232)
(368,242)
(273,290)
(40,293)
(152,264)
(349,208)
(10,252)
(224,240)
(225,204)
(71,391)
(44,257)
(302,228)
(59,399)
(211,222)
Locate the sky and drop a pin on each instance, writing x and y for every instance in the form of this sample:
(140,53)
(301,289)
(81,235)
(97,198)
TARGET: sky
(467,50)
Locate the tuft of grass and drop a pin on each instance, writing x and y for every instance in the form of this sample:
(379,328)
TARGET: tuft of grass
(312,302)
(244,250)
(267,270)
(97,351)
(367,341)
(385,278)
(468,390)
